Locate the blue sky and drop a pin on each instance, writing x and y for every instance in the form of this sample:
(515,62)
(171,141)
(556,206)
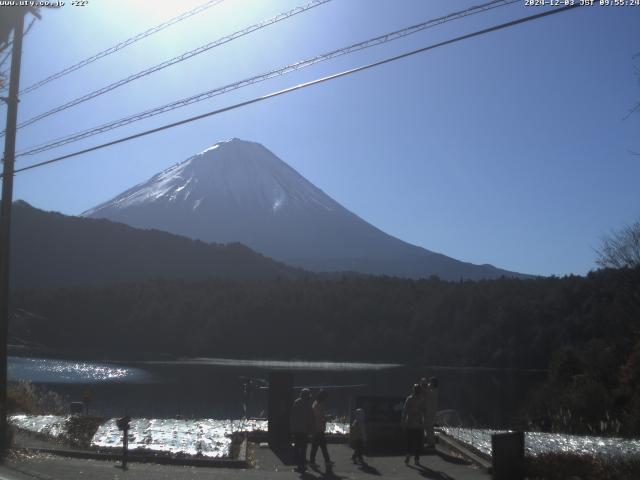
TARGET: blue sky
(510,149)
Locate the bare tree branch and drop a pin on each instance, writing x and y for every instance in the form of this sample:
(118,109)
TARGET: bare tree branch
(620,249)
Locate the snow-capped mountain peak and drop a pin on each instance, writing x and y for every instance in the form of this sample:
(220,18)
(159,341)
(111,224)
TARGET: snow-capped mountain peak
(245,173)
(239,191)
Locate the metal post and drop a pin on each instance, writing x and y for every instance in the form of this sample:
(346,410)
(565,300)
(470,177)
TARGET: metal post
(123,425)
(5,218)
(125,446)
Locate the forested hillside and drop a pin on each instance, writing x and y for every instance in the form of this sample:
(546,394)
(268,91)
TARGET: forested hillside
(54,250)
(507,322)
(585,329)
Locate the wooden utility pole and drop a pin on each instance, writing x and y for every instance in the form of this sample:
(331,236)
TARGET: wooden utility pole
(5,217)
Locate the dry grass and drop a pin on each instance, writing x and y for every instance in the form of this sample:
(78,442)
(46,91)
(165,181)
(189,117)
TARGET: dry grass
(25,397)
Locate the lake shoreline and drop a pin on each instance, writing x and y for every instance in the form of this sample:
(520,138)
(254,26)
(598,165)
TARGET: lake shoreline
(213,387)
(160,358)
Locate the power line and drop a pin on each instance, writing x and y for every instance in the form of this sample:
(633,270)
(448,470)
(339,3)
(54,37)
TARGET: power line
(121,45)
(302,86)
(5,58)
(174,60)
(26,32)
(265,76)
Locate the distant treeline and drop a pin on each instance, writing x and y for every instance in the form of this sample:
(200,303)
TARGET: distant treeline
(585,329)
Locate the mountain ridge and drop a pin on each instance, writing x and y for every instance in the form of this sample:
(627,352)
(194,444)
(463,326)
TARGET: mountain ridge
(239,191)
(50,249)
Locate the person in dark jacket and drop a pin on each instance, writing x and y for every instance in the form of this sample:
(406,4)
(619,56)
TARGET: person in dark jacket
(301,425)
(413,421)
(358,434)
(319,439)
(430,395)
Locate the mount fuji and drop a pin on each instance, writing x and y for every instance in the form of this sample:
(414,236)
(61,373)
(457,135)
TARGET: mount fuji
(239,191)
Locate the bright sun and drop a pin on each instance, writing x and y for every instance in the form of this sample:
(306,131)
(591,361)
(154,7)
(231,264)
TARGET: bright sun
(156,11)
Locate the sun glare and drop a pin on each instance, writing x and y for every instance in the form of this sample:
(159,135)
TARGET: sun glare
(157,11)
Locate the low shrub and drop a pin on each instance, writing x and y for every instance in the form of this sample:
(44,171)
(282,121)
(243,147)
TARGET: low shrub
(81,429)
(565,466)
(25,397)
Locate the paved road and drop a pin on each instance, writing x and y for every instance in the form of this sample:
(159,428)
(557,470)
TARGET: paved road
(267,465)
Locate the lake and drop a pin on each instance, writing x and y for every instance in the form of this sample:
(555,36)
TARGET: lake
(213,388)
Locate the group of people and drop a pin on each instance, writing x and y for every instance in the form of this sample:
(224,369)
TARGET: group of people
(418,417)
(309,420)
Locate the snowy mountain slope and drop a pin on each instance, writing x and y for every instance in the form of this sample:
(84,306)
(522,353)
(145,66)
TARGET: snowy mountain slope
(239,191)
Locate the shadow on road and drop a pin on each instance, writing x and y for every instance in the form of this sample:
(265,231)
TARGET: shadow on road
(328,474)
(451,459)
(366,468)
(284,452)
(430,474)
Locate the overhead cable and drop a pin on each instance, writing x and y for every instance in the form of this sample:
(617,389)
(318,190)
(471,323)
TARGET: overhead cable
(121,45)
(302,86)
(4,59)
(387,37)
(174,60)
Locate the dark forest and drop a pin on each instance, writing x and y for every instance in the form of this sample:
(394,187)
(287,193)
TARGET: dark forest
(583,329)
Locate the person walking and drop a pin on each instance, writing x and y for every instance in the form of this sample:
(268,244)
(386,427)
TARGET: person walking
(301,424)
(413,421)
(319,439)
(430,409)
(358,435)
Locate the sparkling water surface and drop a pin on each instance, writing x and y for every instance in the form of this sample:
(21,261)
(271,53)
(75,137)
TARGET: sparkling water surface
(202,437)
(212,437)
(53,426)
(216,387)
(47,370)
(207,437)
(537,443)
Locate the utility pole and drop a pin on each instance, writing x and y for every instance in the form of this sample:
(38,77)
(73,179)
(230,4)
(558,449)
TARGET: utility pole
(5,217)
